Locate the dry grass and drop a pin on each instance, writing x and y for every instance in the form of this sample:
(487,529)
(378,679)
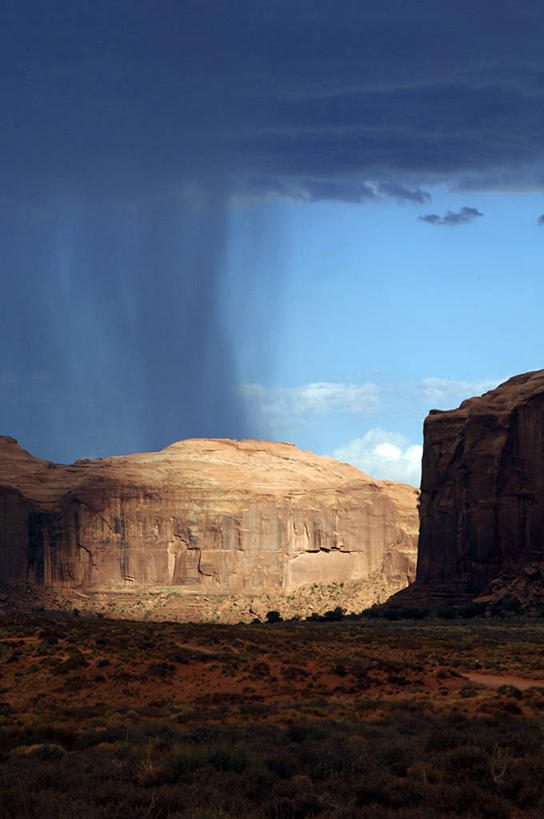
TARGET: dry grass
(341,719)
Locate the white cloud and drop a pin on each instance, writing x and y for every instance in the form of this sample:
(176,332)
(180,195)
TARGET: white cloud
(319,398)
(448,392)
(384,454)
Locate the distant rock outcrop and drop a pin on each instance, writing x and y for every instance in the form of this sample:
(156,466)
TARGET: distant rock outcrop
(208,516)
(482,495)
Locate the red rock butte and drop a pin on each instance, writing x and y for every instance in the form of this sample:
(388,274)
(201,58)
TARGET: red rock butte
(211,516)
(482,494)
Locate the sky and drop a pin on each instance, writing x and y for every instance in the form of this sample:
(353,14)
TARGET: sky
(307,221)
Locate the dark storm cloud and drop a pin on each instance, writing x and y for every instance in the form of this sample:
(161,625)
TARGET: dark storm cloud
(402,193)
(127,128)
(452,218)
(341,190)
(312,190)
(123,96)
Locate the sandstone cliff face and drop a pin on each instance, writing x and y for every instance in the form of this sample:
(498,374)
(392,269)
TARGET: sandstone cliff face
(211,516)
(482,489)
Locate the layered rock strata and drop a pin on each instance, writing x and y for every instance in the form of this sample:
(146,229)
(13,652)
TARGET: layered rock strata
(482,491)
(208,516)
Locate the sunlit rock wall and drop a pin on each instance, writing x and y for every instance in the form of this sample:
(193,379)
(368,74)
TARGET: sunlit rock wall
(208,515)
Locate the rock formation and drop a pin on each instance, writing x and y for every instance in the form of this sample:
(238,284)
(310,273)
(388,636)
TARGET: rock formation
(209,516)
(482,492)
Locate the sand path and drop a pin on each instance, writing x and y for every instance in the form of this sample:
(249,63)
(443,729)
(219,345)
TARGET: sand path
(495,681)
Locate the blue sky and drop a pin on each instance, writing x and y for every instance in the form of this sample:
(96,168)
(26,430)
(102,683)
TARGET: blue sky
(379,316)
(308,221)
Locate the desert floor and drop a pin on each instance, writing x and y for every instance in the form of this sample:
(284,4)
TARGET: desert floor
(356,718)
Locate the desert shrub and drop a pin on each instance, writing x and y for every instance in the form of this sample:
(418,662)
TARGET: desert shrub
(184,759)
(394,612)
(294,672)
(161,670)
(465,758)
(282,763)
(444,739)
(444,612)
(511,707)
(522,781)
(381,788)
(6,709)
(396,756)
(226,758)
(378,757)
(256,709)
(42,751)
(413,765)
(510,691)
(110,735)
(73,662)
(298,806)
(373,613)
(472,610)
(463,799)
(360,669)
(37,733)
(334,614)
(514,605)
(273,616)
(179,656)
(396,679)
(50,636)
(468,691)
(259,670)
(161,733)
(304,731)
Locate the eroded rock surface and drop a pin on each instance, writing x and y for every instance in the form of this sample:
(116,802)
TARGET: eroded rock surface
(482,491)
(209,516)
